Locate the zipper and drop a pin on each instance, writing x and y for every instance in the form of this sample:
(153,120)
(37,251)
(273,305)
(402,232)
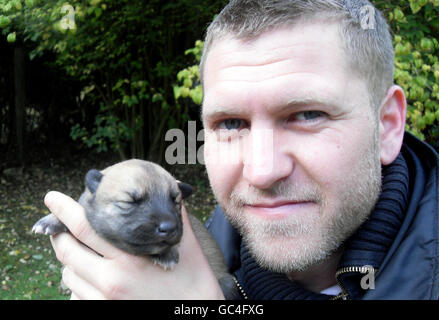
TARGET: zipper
(344,295)
(240,289)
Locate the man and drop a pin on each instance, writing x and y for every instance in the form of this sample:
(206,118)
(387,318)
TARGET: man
(337,203)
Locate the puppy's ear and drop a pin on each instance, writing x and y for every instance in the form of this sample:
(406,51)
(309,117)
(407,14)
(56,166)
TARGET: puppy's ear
(92,180)
(186,189)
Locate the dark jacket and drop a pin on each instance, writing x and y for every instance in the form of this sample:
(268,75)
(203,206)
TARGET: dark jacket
(410,269)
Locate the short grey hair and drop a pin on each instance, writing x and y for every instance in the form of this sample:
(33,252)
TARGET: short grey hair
(369,50)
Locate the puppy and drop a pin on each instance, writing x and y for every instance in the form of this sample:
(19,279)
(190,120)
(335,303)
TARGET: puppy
(136,205)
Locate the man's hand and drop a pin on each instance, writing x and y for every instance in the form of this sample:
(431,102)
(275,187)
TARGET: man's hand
(94,269)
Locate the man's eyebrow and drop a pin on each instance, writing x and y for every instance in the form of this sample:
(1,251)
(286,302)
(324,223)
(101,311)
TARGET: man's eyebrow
(220,111)
(309,101)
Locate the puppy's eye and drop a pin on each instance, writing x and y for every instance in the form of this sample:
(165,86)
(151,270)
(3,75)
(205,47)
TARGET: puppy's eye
(136,197)
(124,205)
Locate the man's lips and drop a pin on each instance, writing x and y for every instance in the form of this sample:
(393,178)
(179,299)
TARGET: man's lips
(279,208)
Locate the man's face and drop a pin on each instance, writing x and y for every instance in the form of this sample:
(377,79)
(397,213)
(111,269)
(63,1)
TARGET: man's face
(291,143)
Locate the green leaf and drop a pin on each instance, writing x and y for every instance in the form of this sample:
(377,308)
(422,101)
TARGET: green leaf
(157,97)
(197,95)
(7,7)
(177,92)
(415,6)
(187,83)
(4,21)
(426,44)
(398,14)
(18,5)
(11,37)
(422,81)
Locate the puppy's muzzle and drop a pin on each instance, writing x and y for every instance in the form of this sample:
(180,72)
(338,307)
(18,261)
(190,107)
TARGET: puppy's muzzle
(160,224)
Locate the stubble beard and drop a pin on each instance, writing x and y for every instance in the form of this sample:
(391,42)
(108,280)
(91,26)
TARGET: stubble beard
(296,243)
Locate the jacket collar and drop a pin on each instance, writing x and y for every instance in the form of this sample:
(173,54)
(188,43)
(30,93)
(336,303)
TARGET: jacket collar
(410,269)
(368,246)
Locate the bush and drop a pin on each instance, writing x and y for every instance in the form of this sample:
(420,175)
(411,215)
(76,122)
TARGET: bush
(125,53)
(415,24)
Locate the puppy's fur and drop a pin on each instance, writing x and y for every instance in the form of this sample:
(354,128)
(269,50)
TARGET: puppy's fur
(136,205)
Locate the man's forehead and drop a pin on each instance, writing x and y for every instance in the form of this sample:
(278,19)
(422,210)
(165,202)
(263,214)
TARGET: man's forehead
(286,38)
(302,48)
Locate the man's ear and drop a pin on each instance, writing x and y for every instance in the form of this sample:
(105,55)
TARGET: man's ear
(392,124)
(186,189)
(92,180)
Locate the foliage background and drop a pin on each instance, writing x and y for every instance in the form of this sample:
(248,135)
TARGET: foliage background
(119,58)
(87,82)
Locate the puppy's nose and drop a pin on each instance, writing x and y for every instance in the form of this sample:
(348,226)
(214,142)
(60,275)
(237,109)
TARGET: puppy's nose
(166,228)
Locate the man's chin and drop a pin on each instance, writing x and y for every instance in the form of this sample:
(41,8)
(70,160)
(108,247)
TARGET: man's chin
(282,255)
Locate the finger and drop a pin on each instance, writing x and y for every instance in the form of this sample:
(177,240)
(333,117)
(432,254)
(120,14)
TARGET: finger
(72,214)
(192,258)
(81,290)
(190,249)
(189,241)
(87,265)
(74,254)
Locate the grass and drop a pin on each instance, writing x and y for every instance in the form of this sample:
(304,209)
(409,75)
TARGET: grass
(29,269)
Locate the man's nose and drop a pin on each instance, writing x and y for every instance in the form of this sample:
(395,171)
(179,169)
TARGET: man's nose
(264,161)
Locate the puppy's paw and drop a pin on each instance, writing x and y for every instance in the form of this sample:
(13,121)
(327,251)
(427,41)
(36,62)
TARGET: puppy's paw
(49,225)
(167,260)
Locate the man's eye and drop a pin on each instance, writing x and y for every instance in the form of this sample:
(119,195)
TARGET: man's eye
(308,115)
(230,124)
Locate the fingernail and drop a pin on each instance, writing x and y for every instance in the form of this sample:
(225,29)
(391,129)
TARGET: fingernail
(48,199)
